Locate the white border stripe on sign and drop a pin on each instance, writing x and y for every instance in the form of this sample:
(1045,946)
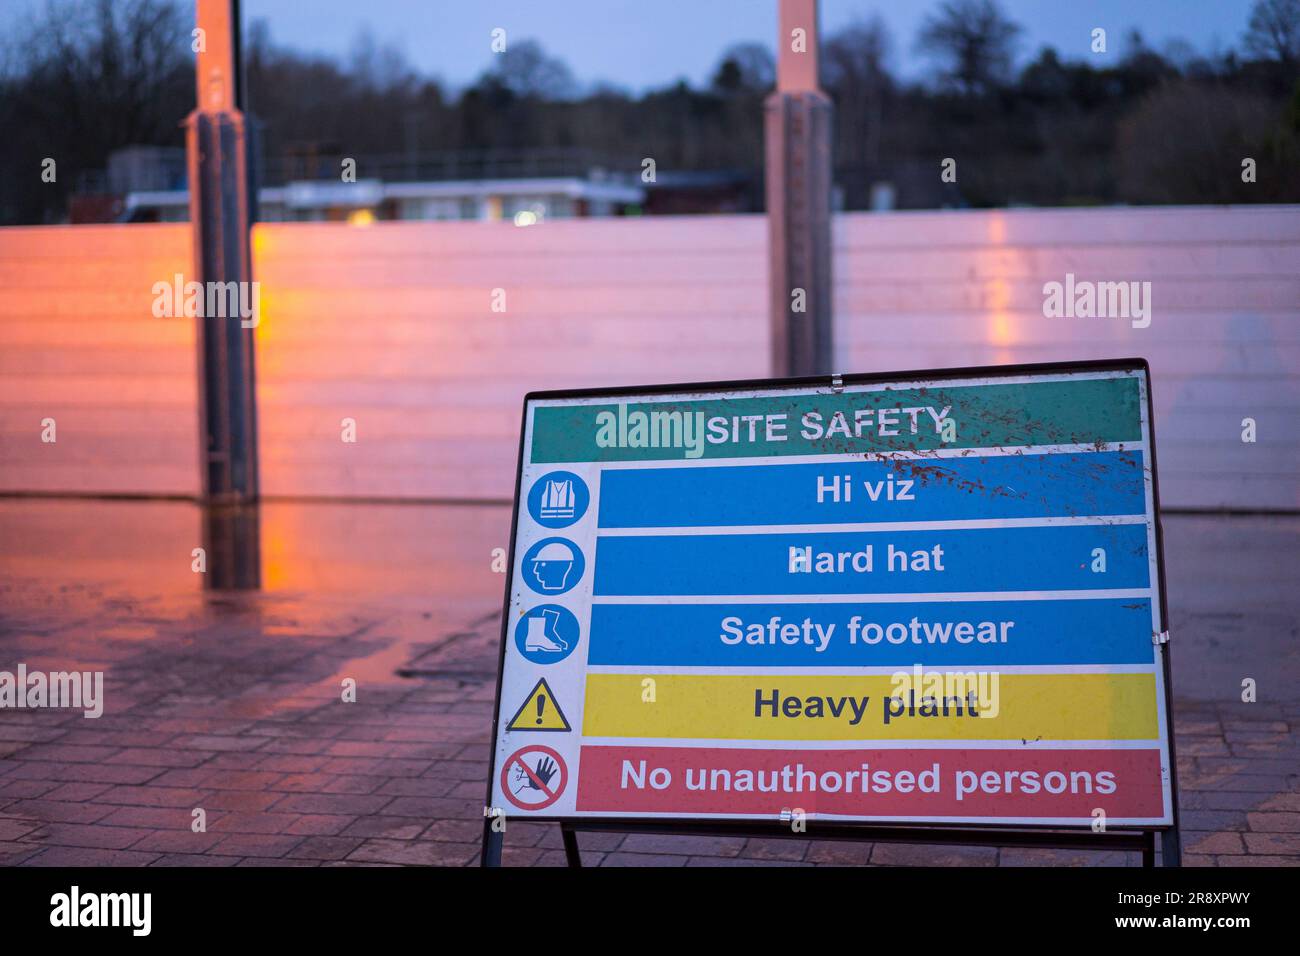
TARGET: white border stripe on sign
(920,597)
(988,451)
(865,670)
(727,743)
(960,524)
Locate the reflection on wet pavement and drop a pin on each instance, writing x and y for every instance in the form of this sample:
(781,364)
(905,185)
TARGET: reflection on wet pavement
(232,700)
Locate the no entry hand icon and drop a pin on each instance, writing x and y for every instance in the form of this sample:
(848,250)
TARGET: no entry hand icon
(534,777)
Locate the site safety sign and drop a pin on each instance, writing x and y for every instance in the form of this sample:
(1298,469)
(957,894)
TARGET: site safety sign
(932,599)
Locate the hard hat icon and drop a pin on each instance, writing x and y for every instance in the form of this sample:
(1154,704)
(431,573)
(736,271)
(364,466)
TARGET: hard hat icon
(555,551)
(552,566)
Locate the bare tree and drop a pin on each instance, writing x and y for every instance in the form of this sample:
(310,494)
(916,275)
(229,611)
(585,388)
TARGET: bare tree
(380,68)
(1273,32)
(857,55)
(854,64)
(746,66)
(973,40)
(107,64)
(85,78)
(527,70)
(1183,143)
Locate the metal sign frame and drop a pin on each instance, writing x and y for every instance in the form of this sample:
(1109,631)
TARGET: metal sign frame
(1119,838)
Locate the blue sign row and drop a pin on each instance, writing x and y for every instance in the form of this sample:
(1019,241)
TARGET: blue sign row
(944,634)
(1065,557)
(931,489)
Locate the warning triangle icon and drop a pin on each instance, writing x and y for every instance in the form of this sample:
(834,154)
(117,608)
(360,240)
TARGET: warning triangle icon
(539,711)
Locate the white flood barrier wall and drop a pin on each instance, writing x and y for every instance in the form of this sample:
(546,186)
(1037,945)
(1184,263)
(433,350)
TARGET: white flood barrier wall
(427,336)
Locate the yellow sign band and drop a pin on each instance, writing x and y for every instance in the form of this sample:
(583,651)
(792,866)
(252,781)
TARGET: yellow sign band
(873,707)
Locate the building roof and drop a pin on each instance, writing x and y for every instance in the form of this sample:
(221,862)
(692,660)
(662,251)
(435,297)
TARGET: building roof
(369,192)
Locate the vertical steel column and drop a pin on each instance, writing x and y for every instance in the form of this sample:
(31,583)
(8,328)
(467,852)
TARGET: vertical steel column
(216,143)
(798,136)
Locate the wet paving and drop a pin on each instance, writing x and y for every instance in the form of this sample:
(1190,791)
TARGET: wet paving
(232,703)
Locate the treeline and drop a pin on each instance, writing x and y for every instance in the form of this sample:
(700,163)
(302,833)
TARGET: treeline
(1167,126)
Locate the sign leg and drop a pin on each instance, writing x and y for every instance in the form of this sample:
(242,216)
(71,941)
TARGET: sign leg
(1171,848)
(570,837)
(491,845)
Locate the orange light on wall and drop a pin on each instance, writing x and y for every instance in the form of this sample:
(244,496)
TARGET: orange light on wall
(361,217)
(261,241)
(1001,329)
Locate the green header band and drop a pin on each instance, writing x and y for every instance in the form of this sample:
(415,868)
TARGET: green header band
(1057,411)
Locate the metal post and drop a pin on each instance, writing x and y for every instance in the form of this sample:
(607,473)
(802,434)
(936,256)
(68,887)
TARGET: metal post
(798,135)
(570,837)
(216,143)
(1171,847)
(492,843)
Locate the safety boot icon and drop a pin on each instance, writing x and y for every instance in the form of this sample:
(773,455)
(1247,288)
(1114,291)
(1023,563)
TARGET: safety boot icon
(544,635)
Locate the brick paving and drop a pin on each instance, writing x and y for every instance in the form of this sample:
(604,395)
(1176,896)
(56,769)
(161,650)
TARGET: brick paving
(231,704)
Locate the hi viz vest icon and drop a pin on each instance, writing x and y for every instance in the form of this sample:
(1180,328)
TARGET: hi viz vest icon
(557,500)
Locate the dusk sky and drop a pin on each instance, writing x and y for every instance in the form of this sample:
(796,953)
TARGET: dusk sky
(639,44)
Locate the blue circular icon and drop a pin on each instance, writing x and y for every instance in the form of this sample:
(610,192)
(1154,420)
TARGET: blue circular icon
(558,499)
(553,566)
(547,634)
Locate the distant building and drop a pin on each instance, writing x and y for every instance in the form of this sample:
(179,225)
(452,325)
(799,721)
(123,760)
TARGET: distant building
(524,201)
(675,193)
(147,184)
(145,169)
(101,195)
